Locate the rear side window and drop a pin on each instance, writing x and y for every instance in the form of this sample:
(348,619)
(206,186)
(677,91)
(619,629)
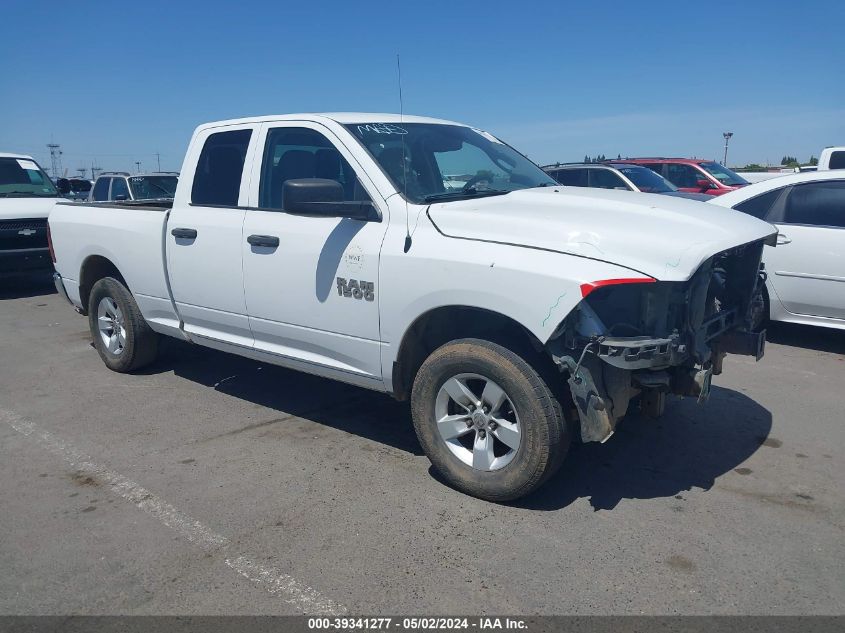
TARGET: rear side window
(572,177)
(217,181)
(837,160)
(606,179)
(759,206)
(292,153)
(119,189)
(817,204)
(101,190)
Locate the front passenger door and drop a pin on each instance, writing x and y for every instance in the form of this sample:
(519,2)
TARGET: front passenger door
(311,282)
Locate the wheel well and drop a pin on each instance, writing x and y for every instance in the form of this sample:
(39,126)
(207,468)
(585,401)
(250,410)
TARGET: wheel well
(441,325)
(95,268)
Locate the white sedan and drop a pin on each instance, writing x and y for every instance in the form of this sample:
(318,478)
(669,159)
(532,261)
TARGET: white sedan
(806,271)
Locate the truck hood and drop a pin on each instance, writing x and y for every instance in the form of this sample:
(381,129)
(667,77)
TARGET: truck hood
(663,237)
(21,208)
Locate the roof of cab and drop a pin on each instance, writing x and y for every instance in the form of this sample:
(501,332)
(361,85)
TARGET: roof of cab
(21,156)
(338,117)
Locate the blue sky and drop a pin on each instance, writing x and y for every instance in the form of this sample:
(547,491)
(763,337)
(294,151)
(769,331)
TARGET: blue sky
(118,82)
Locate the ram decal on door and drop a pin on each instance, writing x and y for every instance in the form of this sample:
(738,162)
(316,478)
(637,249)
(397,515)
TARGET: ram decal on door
(357,289)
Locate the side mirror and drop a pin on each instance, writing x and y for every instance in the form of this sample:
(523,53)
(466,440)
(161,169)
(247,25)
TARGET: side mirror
(703,184)
(324,197)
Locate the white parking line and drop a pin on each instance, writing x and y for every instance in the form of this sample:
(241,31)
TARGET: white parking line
(307,600)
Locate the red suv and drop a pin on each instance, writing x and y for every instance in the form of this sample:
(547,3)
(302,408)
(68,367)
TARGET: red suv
(692,175)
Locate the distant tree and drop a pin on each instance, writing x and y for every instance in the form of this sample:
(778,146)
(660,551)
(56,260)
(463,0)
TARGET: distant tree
(619,157)
(813,161)
(586,158)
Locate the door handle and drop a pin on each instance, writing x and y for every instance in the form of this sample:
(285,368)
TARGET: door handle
(782,239)
(188,234)
(270,241)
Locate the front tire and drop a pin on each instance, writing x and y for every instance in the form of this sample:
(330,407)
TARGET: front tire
(487,420)
(121,335)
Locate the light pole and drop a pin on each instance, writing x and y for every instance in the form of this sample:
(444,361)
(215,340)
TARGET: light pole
(138,165)
(727,136)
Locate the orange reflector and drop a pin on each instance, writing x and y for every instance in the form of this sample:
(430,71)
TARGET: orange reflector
(589,287)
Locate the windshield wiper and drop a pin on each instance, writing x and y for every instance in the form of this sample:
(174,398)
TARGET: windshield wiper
(472,192)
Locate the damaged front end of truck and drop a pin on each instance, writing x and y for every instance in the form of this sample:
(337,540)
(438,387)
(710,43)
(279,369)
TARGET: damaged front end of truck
(646,338)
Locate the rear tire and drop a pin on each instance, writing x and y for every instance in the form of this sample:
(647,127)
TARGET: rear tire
(121,335)
(503,449)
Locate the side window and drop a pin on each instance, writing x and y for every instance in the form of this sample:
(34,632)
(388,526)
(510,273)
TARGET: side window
(221,163)
(101,190)
(683,175)
(837,160)
(119,189)
(606,179)
(816,203)
(759,206)
(292,153)
(572,177)
(656,168)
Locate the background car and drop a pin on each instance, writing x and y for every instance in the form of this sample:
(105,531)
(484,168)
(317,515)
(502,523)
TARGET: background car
(26,197)
(74,188)
(806,271)
(692,175)
(616,176)
(119,186)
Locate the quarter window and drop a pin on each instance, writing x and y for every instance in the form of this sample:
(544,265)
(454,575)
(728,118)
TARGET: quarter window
(684,176)
(606,179)
(572,177)
(759,206)
(217,180)
(101,190)
(292,153)
(816,204)
(837,160)
(119,190)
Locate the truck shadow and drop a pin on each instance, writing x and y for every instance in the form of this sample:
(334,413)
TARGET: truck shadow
(688,447)
(292,394)
(27,286)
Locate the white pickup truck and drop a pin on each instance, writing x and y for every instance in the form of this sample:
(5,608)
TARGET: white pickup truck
(515,313)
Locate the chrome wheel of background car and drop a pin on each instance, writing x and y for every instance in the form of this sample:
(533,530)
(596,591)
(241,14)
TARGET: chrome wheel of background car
(478,422)
(110,324)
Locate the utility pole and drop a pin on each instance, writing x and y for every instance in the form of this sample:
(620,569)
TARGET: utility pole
(727,136)
(158,160)
(138,165)
(81,171)
(94,170)
(55,159)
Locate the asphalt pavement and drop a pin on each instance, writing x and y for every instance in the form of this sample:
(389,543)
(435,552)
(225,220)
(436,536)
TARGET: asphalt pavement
(212,484)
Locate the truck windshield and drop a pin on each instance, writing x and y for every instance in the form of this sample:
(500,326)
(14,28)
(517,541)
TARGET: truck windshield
(153,187)
(723,174)
(646,180)
(23,178)
(431,161)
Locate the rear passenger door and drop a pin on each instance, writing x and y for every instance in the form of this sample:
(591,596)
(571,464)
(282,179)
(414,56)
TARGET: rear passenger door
(312,292)
(204,236)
